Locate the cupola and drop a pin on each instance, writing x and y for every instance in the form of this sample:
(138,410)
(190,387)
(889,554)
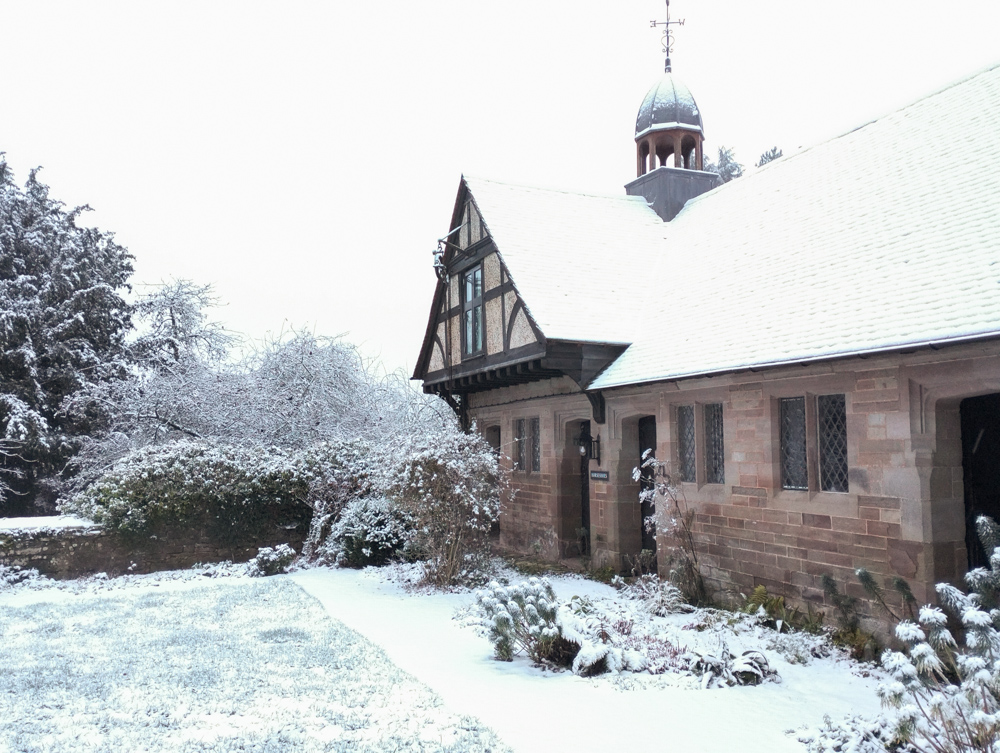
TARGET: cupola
(668,142)
(668,128)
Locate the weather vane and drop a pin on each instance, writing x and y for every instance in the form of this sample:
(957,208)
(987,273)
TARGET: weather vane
(668,36)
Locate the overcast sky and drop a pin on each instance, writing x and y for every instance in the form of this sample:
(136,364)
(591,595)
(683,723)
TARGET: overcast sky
(304,156)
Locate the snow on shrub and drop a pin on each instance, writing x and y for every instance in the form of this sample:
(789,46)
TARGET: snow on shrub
(234,492)
(452,488)
(525,618)
(948,693)
(271,561)
(12,575)
(659,598)
(337,472)
(856,734)
(520,618)
(371,531)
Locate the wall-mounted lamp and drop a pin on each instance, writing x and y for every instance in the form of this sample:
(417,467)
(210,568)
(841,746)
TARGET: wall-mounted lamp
(590,447)
(439,267)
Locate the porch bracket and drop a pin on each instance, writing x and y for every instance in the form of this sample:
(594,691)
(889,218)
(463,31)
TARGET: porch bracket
(597,405)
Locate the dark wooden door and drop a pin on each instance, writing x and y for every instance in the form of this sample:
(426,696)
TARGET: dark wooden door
(647,441)
(981,468)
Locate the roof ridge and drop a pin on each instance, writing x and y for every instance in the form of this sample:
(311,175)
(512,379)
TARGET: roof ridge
(552,189)
(805,150)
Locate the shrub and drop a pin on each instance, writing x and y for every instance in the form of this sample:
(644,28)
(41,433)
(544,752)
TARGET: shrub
(862,645)
(949,694)
(452,490)
(335,473)
(271,561)
(371,531)
(772,611)
(673,524)
(236,494)
(520,618)
(660,598)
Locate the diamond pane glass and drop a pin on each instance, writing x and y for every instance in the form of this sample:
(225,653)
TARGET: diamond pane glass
(831,415)
(536,446)
(794,473)
(715,455)
(686,442)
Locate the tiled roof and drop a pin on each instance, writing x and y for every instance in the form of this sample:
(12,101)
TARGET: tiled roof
(886,237)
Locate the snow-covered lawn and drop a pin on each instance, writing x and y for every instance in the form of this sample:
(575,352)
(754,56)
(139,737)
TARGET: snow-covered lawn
(224,665)
(178,661)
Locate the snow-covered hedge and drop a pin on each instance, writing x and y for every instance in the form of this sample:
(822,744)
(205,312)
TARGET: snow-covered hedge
(452,487)
(371,531)
(233,492)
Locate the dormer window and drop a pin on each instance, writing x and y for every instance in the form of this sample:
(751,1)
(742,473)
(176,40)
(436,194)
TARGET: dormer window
(472,311)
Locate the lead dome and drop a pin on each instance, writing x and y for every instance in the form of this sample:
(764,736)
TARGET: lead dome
(669,124)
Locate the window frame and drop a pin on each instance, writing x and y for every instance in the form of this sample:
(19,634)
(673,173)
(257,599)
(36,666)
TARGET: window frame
(473,305)
(710,477)
(698,453)
(813,441)
(527,456)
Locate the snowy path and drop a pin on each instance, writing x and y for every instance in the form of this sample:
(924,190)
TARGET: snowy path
(545,712)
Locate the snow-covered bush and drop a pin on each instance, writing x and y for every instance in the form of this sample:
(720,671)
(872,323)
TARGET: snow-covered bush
(520,618)
(12,575)
(337,472)
(947,693)
(856,734)
(233,493)
(371,531)
(451,486)
(660,598)
(725,668)
(271,561)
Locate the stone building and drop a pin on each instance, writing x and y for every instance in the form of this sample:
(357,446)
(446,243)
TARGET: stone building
(813,348)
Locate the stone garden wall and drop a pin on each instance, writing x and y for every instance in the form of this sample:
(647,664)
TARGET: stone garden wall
(62,547)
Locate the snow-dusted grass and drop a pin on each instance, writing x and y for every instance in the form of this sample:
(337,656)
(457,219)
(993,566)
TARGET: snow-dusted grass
(205,665)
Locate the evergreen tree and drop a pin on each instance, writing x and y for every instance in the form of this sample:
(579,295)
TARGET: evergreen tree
(769,156)
(727,168)
(62,328)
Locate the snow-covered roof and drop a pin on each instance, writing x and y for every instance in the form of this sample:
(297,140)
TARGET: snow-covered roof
(886,237)
(571,256)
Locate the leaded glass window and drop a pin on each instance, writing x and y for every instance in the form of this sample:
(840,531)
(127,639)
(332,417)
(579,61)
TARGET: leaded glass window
(831,418)
(794,468)
(472,311)
(520,451)
(715,455)
(686,443)
(536,445)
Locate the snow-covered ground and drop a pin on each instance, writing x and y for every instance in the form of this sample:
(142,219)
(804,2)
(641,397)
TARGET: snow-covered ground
(181,661)
(217,665)
(535,711)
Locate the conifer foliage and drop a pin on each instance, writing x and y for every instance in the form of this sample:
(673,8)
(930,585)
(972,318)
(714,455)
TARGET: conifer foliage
(63,323)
